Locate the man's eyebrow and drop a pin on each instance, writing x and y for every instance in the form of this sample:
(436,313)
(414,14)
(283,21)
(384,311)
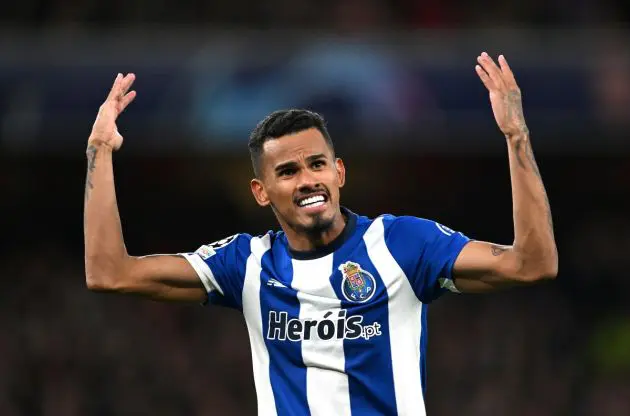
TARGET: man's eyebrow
(315,157)
(293,163)
(285,165)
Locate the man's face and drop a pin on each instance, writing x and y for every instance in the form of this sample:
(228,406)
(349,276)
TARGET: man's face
(300,179)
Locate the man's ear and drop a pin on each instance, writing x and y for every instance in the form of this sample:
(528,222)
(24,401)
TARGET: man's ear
(341,172)
(258,190)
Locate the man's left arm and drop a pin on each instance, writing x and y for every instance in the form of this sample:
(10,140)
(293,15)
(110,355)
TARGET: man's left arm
(533,255)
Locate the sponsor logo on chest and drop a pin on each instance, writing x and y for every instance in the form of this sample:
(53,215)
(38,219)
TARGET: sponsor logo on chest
(331,326)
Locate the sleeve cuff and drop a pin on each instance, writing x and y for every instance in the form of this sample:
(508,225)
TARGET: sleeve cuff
(203,271)
(449,282)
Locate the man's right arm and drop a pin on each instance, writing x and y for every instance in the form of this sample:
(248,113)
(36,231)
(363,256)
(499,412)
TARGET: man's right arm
(108,266)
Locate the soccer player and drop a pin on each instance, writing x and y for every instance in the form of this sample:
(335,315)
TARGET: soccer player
(335,303)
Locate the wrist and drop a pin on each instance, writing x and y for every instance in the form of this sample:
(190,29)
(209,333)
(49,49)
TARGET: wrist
(95,144)
(518,136)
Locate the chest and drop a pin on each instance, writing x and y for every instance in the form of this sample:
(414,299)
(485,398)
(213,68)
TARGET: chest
(324,299)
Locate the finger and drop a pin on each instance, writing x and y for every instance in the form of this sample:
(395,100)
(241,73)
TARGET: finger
(114,90)
(508,75)
(126,83)
(127,99)
(483,75)
(491,68)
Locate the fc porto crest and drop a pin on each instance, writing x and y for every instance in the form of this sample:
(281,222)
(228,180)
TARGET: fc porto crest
(357,284)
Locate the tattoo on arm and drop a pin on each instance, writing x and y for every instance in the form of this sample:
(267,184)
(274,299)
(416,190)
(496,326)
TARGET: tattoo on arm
(515,109)
(517,150)
(498,250)
(91,156)
(531,160)
(514,106)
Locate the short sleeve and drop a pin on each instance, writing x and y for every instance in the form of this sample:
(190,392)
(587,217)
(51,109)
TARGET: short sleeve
(426,251)
(221,268)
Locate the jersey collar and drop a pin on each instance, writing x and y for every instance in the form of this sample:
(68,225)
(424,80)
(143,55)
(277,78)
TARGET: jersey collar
(348,231)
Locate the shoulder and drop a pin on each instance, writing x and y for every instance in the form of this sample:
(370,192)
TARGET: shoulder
(232,253)
(389,225)
(258,245)
(410,226)
(240,241)
(235,242)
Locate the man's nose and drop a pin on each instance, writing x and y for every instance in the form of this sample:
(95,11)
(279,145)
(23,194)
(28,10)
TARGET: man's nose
(308,179)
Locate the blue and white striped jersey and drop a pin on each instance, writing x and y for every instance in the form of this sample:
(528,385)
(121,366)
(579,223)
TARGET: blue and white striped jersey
(339,331)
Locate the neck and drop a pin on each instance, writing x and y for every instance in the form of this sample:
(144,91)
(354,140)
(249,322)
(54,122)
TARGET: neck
(305,241)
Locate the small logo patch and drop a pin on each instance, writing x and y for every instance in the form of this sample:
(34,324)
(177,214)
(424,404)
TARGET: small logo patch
(357,284)
(205,252)
(273,282)
(208,250)
(222,243)
(444,229)
(448,284)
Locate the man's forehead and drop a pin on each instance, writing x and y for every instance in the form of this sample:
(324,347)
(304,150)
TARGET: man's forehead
(302,144)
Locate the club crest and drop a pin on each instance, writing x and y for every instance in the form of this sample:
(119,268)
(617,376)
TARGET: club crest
(357,284)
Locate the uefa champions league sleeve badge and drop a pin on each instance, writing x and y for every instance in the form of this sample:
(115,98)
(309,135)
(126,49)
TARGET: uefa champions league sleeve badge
(357,284)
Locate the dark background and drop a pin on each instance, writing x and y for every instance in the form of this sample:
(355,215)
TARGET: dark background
(411,120)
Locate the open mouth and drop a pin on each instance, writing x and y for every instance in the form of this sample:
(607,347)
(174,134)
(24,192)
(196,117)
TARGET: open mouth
(312,201)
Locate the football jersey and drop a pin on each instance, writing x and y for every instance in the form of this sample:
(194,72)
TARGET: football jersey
(341,330)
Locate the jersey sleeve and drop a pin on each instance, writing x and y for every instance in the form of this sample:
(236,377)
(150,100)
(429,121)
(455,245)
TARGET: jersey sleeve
(426,251)
(221,268)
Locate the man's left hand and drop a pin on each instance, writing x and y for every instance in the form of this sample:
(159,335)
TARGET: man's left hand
(505,95)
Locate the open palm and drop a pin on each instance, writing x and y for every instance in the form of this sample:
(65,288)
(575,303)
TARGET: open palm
(104,130)
(505,95)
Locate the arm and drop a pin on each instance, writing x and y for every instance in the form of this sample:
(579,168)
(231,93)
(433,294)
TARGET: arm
(108,266)
(533,255)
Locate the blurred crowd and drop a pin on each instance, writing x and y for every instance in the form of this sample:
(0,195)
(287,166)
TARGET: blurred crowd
(326,14)
(559,348)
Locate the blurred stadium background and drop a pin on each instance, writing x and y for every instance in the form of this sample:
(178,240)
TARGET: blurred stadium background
(395,80)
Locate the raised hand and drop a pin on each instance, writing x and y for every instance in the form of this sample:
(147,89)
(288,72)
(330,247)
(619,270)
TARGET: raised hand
(505,95)
(104,131)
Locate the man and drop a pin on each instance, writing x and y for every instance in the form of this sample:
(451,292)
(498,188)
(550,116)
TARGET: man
(335,303)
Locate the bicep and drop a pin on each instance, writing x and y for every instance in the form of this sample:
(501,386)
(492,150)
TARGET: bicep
(164,277)
(483,267)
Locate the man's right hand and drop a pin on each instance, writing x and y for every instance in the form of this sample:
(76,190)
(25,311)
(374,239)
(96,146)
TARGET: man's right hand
(104,130)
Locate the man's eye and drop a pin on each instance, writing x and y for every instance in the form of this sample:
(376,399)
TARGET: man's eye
(318,164)
(287,172)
